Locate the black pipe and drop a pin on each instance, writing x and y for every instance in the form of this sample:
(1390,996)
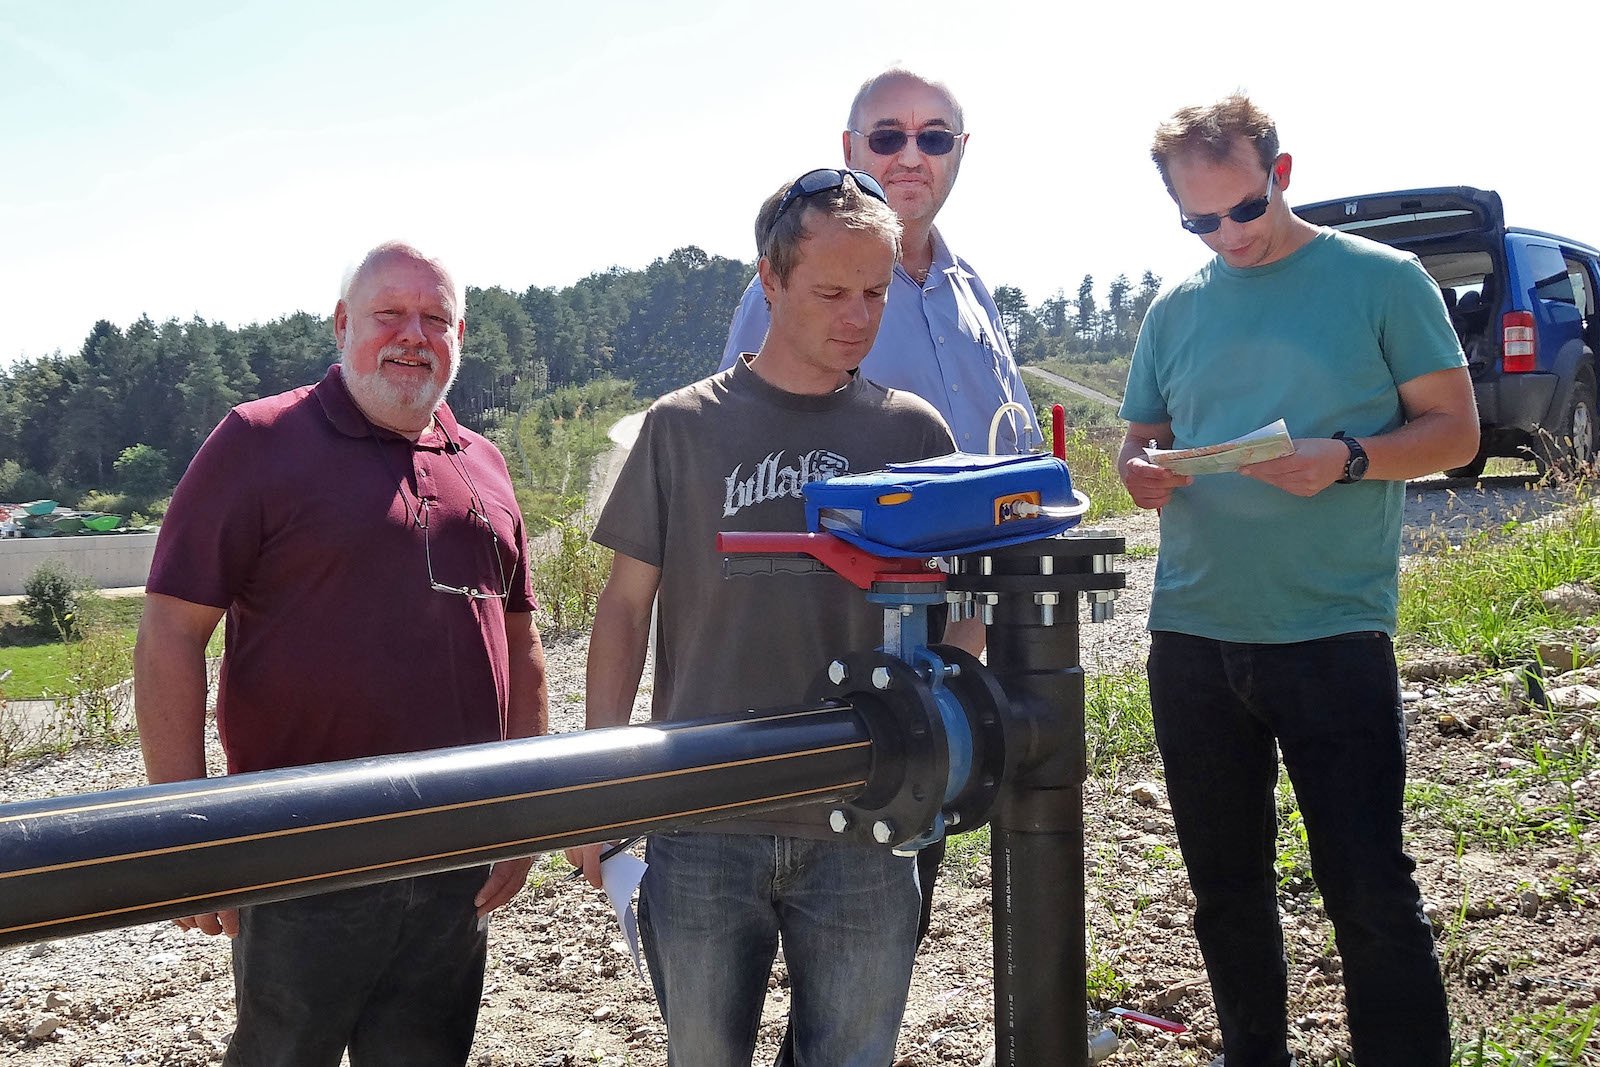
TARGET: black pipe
(78,864)
(1036,839)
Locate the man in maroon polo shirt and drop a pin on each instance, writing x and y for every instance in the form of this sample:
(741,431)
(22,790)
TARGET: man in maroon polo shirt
(369,556)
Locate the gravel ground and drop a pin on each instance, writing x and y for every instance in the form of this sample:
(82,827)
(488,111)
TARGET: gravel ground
(1519,929)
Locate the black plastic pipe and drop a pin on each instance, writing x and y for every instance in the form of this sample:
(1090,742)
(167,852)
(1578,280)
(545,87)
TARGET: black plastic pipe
(83,863)
(1036,831)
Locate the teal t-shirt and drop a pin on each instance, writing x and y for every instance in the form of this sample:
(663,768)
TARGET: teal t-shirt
(1320,339)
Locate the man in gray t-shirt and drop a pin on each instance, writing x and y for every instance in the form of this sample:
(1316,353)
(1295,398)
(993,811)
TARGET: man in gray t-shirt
(733,452)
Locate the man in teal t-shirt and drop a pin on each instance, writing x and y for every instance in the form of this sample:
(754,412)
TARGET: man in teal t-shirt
(1276,588)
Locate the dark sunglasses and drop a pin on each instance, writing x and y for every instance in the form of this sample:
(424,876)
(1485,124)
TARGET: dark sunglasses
(930,142)
(825,180)
(1248,211)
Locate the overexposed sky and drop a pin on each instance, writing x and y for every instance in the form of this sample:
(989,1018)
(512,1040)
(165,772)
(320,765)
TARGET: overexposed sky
(231,160)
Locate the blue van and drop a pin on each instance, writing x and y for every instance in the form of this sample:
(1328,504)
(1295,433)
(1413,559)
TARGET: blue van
(1522,302)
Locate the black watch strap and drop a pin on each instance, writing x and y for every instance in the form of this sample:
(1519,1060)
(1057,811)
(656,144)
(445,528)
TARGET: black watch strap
(1355,466)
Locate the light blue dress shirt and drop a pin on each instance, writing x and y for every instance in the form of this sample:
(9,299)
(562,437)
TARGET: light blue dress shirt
(941,341)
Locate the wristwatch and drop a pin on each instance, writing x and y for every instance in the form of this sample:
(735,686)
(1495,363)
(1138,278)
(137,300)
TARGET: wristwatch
(1355,468)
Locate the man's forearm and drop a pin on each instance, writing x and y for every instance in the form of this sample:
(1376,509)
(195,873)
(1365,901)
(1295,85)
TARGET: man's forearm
(617,649)
(528,708)
(169,699)
(1434,441)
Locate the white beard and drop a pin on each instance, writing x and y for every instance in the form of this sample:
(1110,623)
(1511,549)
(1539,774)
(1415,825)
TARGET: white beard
(393,406)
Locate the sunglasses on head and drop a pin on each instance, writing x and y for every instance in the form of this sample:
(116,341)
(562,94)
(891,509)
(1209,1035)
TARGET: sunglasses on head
(826,180)
(1248,211)
(933,141)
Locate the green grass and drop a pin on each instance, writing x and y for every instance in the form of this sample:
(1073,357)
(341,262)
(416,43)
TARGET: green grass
(966,856)
(43,665)
(1483,597)
(1552,1037)
(567,581)
(1117,721)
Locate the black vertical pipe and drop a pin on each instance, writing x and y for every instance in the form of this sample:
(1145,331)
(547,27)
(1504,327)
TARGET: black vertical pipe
(1036,838)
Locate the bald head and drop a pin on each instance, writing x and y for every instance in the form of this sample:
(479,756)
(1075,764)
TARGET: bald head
(901,76)
(395,252)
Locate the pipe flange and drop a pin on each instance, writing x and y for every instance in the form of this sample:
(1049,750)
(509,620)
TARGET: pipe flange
(995,750)
(910,746)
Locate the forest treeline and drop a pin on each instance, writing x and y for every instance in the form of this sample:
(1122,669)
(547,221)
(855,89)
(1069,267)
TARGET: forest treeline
(159,388)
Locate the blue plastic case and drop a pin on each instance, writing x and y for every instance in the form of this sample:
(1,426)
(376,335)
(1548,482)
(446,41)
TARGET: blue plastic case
(947,505)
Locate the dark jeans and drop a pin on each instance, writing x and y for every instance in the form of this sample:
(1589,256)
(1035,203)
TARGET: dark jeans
(1333,707)
(393,971)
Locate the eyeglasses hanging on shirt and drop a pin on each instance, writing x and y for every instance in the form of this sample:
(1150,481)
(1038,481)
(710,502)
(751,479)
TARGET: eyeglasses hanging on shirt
(477,515)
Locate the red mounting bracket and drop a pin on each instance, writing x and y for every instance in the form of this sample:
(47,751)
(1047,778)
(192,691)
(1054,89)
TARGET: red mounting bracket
(856,566)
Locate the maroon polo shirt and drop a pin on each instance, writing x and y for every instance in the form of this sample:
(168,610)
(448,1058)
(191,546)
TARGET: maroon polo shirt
(300,518)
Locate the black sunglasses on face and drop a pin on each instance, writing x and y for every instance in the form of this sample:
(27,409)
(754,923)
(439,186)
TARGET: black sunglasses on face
(1248,211)
(930,142)
(826,180)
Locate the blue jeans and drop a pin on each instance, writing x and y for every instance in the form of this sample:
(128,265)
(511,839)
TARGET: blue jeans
(1333,708)
(393,971)
(711,910)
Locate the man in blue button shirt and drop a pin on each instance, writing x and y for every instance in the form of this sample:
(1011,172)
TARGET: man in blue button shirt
(941,337)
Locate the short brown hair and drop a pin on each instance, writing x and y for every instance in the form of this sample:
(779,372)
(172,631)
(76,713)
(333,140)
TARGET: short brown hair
(1211,130)
(778,237)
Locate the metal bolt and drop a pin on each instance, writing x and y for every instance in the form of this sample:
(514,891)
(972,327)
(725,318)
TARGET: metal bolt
(838,672)
(907,610)
(952,670)
(986,565)
(986,602)
(1047,564)
(1102,605)
(953,818)
(883,831)
(880,677)
(1047,607)
(839,820)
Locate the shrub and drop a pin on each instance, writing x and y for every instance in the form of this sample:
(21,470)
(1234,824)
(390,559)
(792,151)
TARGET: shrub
(568,581)
(51,601)
(18,483)
(108,503)
(142,472)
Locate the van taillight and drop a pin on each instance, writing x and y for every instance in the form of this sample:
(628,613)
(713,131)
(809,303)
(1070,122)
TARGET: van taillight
(1517,347)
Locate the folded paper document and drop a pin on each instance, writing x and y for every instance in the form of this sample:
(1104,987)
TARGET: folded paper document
(1269,442)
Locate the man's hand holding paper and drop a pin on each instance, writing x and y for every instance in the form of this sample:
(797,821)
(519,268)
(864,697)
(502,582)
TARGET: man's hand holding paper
(1314,465)
(1267,443)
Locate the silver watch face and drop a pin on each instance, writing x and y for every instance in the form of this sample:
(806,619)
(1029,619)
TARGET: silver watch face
(1355,468)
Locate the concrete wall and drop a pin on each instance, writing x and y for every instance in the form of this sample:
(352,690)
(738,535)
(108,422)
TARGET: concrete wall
(109,561)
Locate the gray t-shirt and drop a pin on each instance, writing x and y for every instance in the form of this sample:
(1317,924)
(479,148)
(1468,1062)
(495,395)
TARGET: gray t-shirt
(732,452)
